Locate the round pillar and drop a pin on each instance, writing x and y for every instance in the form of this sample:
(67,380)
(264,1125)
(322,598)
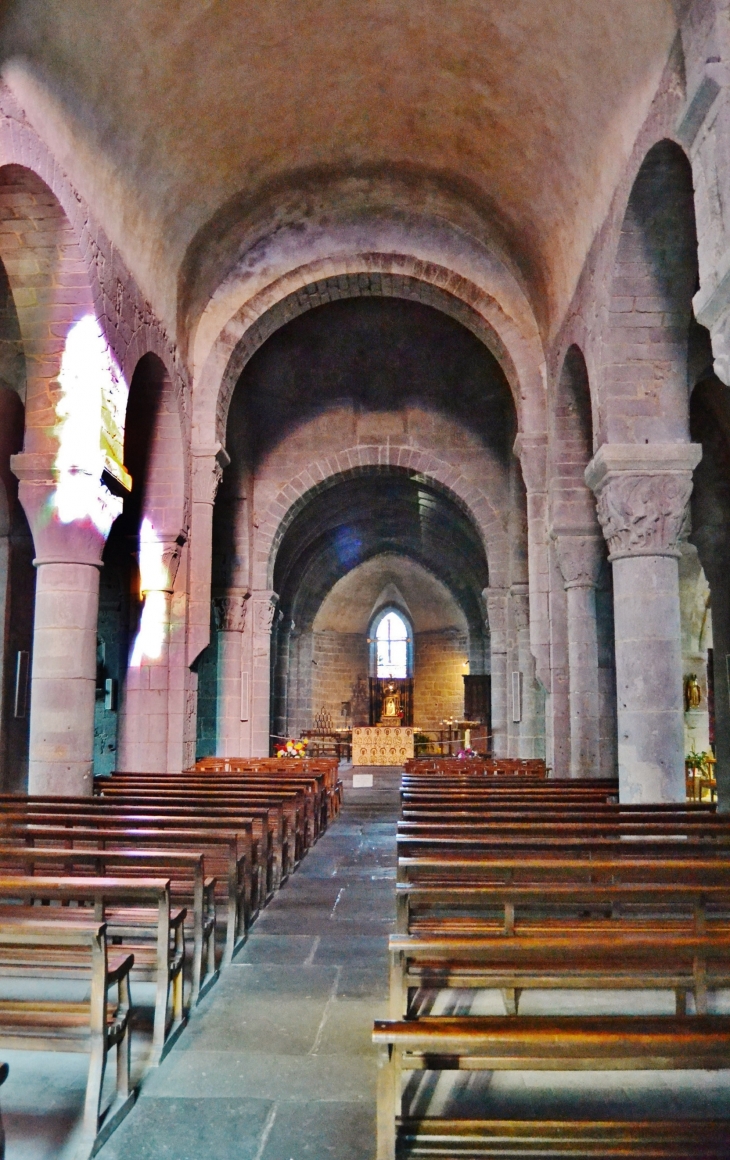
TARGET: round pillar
(230,615)
(579,557)
(643,492)
(63,677)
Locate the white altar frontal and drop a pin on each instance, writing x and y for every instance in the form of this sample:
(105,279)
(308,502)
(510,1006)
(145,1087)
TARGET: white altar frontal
(381,745)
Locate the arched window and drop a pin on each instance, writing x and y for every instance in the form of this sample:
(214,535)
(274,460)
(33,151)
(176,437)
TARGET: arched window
(392,651)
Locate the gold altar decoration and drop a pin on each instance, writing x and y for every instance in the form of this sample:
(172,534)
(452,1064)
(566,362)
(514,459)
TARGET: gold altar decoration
(381,745)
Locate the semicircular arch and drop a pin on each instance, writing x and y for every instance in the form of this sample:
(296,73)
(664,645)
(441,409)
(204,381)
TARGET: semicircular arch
(319,476)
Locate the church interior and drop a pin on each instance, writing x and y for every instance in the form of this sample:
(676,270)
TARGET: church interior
(364,585)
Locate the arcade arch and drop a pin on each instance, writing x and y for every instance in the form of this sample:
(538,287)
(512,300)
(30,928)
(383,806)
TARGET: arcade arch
(371,383)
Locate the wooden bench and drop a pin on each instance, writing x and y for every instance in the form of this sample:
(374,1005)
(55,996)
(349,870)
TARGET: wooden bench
(610,959)
(258,824)
(227,855)
(140,918)
(275,821)
(566,1043)
(300,804)
(95,1026)
(281,768)
(579,1140)
(478,766)
(189,888)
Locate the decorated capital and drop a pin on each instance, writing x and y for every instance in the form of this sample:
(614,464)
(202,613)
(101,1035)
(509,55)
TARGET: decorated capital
(642,495)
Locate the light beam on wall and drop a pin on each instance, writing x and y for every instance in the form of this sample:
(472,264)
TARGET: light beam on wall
(154,584)
(91,410)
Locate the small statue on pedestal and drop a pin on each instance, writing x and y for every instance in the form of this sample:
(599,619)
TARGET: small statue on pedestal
(391,714)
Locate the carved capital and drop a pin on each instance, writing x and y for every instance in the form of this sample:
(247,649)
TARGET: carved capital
(579,558)
(520,605)
(208,466)
(642,493)
(532,454)
(264,608)
(230,610)
(643,515)
(161,578)
(495,600)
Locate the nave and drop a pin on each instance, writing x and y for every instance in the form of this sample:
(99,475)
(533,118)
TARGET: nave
(277,1062)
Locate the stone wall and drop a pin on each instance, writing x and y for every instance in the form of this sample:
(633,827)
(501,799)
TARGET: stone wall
(340,667)
(339,663)
(439,667)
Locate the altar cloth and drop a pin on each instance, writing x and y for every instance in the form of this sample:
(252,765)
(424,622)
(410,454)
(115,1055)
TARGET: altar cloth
(381,745)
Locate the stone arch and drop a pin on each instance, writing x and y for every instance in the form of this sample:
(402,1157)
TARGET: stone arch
(50,286)
(318,476)
(573,444)
(583,611)
(644,387)
(359,275)
(127,321)
(153,409)
(155,521)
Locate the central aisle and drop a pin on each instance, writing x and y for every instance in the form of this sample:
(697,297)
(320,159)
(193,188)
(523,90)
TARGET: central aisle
(277,1063)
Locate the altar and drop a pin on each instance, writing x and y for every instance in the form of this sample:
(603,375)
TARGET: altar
(381,745)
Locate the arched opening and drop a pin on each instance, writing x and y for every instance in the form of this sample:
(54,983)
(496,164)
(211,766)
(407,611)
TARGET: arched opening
(17,574)
(644,408)
(704,585)
(362,373)
(132,710)
(644,397)
(366,547)
(583,610)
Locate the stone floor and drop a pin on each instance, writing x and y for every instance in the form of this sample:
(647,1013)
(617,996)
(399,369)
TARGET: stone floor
(277,1064)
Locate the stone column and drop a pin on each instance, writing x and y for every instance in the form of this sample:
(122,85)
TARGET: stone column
(144,724)
(63,679)
(525,733)
(642,493)
(208,466)
(264,603)
(579,557)
(496,602)
(230,618)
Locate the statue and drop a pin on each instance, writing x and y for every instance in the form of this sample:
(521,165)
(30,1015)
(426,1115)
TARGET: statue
(391,714)
(692,692)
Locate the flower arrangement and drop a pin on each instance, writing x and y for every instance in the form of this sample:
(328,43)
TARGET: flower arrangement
(292,749)
(464,753)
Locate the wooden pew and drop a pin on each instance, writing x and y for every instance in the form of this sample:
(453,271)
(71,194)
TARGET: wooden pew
(277,821)
(508,886)
(579,1140)
(552,1043)
(226,854)
(473,766)
(281,769)
(603,958)
(300,803)
(95,1026)
(260,824)
(189,887)
(140,916)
